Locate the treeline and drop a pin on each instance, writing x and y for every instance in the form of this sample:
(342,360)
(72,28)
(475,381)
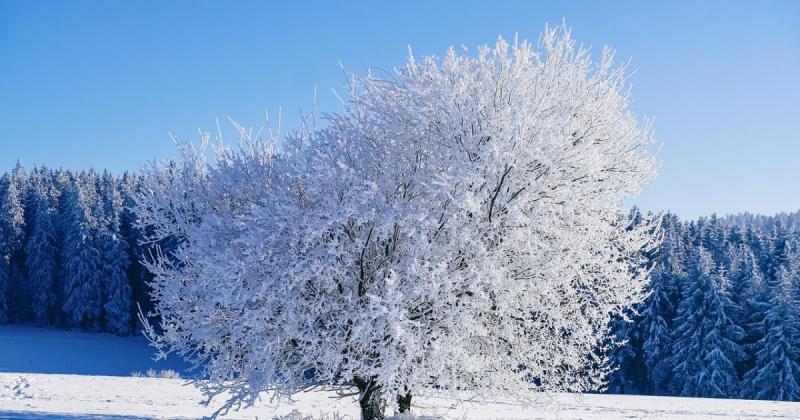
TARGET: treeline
(69,250)
(722,319)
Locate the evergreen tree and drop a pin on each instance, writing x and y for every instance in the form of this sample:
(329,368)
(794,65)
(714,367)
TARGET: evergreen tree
(41,255)
(12,233)
(625,378)
(757,243)
(3,290)
(778,251)
(658,309)
(3,262)
(83,303)
(746,281)
(705,339)
(116,290)
(138,274)
(776,373)
(712,239)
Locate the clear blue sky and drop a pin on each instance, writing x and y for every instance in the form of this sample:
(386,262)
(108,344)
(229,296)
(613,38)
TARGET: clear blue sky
(100,84)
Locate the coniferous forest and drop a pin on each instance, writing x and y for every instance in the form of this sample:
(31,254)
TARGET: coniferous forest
(721,320)
(69,250)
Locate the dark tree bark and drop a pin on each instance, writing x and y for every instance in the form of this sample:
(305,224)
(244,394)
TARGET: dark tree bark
(370,400)
(404,402)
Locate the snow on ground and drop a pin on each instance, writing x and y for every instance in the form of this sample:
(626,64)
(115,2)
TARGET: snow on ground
(40,395)
(48,373)
(48,350)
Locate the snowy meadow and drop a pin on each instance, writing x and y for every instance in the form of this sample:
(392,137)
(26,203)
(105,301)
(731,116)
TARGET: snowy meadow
(102,376)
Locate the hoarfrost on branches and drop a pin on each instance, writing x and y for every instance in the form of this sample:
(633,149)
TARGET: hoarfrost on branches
(459,226)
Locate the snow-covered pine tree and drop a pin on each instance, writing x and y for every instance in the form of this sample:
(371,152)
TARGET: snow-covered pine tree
(138,275)
(12,236)
(4,274)
(42,248)
(116,290)
(658,309)
(746,282)
(758,244)
(774,256)
(775,375)
(705,338)
(777,252)
(4,271)
(460,227)
(626,376)
(719,235)
(745,278)
(83,262)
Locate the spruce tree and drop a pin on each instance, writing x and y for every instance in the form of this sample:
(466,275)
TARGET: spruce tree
(83,304)
(12,233)
(41,255)
(776,372)
(658,309)
(116,289)
(705,338)
(625,378)
(138,274)
(746,281)
(3,291)
(778,251)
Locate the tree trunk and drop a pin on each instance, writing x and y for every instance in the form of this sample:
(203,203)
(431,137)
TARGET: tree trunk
(404,403)
(370,400)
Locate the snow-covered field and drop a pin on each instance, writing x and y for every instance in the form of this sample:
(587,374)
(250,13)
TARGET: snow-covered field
(47,350)
(38,396)
(57,374)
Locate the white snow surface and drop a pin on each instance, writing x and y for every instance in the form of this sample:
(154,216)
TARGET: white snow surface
(46,373)
(54,395)
(49,350)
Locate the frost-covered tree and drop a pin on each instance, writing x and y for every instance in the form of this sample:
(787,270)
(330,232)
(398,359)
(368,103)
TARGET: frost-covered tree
(656,344)
(138,275)
(746,284)
(626,376)
(745,279)
(41,252)
(778,251)
(116,289)
(705,339)
(459,227)
(712,238)
(83,264)
(114,249)
(4,275)
(4,271)
(776,372)
(658,309)
(12,235)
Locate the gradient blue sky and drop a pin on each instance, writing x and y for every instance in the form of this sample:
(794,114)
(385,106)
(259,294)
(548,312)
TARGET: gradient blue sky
(100,84)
